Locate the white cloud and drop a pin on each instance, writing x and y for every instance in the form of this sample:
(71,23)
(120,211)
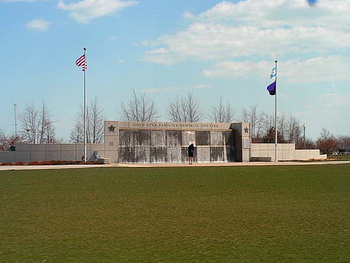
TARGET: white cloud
(316,69)
(265,13)
(162,56)
(254,30)
(38,25)
(217,41)
(232,69)
(86,10)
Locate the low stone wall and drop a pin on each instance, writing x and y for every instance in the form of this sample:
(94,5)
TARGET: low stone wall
(285,152)
(214,152)
(7,157)
(48,152)
(309,154)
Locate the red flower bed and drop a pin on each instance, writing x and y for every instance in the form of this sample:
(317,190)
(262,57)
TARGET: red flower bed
(17,163)
(61,162)
(50,163)
(7,163)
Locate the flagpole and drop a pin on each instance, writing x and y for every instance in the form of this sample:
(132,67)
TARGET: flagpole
(276,113)
(85,148)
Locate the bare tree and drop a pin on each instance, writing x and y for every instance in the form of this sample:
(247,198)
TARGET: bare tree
(327,143)
(270,136)
(8,142)
(344,144)
(46,126)
(94,124)
(306,144)
(222,113)
(268,122)
(293,130)
(184,109)
(77,133)
(30,121)
(176,112)
(37,125)
(255,119)
(2,141)
(282,126)
(287,126)
(139,108)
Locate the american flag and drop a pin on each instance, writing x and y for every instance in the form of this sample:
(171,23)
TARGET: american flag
(81,62)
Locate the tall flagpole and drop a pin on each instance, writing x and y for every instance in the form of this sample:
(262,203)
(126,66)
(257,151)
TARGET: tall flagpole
(276,113)
(85,148)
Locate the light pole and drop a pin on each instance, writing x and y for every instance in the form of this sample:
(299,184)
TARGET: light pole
(15,111)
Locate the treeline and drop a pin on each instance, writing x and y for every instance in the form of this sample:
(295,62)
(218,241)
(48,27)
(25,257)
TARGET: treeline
(37,125)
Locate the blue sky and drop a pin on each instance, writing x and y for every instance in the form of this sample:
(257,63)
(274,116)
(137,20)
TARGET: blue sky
(170,48)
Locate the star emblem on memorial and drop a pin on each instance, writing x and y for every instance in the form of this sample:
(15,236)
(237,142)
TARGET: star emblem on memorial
(246,130)
(111,128)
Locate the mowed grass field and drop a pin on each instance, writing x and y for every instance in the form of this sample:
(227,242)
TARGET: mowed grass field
(188,214)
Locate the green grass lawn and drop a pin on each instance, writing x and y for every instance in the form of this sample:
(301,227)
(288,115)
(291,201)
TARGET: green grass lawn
(339,157)
(190,214)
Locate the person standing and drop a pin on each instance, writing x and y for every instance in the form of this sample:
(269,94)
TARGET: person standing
(190,153)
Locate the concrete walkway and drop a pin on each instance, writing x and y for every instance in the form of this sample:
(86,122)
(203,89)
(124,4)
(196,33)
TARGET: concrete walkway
(230,164)
(48,167)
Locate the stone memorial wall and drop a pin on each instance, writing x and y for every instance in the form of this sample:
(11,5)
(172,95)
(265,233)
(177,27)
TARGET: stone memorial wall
(167,142)
(144,146)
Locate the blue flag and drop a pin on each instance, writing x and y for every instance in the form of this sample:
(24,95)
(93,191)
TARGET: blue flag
(272,88)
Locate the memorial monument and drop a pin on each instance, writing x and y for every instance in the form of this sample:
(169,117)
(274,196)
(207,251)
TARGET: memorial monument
(165,142)
(161,142)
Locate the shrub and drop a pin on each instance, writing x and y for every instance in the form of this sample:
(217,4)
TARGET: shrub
(34,163)
(7,163)
(58,162)
(46,162)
